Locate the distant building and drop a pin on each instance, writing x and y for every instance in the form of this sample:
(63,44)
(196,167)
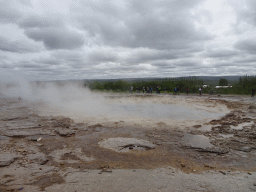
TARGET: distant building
(204,86)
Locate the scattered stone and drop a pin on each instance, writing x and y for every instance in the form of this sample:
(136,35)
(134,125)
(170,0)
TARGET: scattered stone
(249,173)
(182,165)
(206,165)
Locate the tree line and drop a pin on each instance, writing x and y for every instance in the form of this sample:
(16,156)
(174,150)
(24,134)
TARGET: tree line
(243,86)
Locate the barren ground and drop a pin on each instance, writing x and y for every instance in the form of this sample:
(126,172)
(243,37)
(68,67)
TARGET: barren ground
(57,149)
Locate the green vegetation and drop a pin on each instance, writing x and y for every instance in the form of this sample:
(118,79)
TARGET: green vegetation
(243,86)
(118,86)
(223,82)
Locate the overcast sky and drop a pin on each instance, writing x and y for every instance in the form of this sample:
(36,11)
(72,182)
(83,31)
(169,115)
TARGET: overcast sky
(88,39)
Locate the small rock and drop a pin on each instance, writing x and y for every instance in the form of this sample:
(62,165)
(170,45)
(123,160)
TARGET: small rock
(21,150)
(206,165)
(197,126)
(42,161)
(39,139)
(64,132)
(105,170)
(223,172)
(33,138)
(182,165)
(249,173)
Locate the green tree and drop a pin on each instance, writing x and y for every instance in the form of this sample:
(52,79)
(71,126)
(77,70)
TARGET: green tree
(223,82)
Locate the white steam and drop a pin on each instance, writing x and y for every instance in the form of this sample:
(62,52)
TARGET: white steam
(74,100)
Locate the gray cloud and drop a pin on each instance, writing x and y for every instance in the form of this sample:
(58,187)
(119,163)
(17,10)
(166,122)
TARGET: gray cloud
(39,22)
(8,13)
(54,38)
(127,38)
(20,46)
(221,53)
(165,28)
(248,46)
(52,32)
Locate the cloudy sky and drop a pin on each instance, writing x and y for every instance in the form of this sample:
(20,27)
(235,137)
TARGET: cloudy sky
(88,39)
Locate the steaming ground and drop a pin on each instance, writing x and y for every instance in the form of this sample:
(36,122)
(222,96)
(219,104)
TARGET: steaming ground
(85,106)
(143,110)
(57,136)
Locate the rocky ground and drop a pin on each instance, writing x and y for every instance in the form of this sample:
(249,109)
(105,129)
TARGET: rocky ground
(57,153)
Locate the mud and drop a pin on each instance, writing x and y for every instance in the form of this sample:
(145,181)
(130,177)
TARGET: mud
(42,145)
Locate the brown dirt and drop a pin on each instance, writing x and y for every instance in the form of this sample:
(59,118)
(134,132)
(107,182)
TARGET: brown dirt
(171,148)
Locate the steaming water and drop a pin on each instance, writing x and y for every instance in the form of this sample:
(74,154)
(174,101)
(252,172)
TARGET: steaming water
(146,111)
(163,111)
(80,104)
